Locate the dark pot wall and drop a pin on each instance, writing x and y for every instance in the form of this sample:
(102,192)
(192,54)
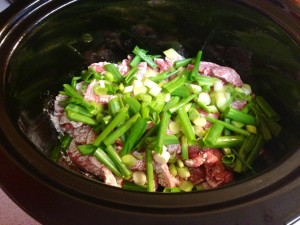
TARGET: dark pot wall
(43,44)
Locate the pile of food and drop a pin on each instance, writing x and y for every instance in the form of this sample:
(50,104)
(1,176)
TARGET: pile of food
(162,123)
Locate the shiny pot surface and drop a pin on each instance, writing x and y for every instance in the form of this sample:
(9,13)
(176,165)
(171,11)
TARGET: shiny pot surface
(42,44)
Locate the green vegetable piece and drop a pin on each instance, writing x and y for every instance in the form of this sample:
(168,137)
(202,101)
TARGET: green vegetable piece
(134,104)
(111,68)
(229,126)
(81,118)
(228,141)
(78,109)
(139,52)
(184,148)
(228,160)
(112,137)
(150,171)
(182,62)
(133,187)
(86,149)
(63,145)
(213,134)
(266,108)
(100,155)
(137,131)
(243,151)
(195,71)
(118,162)
(178,81)
(114,106)
(162,131)
(116,121)
(186,125)
(240,116)
(182,103)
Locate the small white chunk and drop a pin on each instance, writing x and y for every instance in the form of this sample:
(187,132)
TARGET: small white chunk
(204,98)
(102,83)
(162,158)
(221,99)
(218,85)
(172,54)
(247,89)
(174,127)
(195,88)
(200,121)
(151,73)
(155,90)
(128,89)
(167,97)
(139,178)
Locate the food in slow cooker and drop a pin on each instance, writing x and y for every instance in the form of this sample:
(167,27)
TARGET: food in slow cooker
(162,123)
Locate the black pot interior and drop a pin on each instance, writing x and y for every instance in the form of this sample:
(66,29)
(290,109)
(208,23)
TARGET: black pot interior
(65,41)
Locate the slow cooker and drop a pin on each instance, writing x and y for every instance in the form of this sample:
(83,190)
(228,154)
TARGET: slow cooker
(42,44)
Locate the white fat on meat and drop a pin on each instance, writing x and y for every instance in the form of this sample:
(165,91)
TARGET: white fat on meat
(224,73)
(86,135)
(99,67)
(60,119)
(164,177)
(89,94)
(124,66)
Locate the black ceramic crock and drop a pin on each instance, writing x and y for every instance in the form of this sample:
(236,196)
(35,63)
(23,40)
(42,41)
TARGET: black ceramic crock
(43,43)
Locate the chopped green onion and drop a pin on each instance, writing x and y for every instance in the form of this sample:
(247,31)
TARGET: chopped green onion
(228,141)
(81,118)
(240,116)
(266,108)
(137,59)
(130,76)
(182,103)
(186,186)
(117,120)
(162,131)
(118,162)
(139,52)
(213,134)
(195,71)
(228,160)
(129,160)
(150,171)
(112,137)
(182,91)
(134,104)
(186,125)
(133,187)
(141,142)
(255,151)
(100,155)
(137,131)
(64,144)
(243,151)
(78,109)
(177,82)
(114,106)
(184,148)
(171,190)
(182,62)
(86,149)
(173,101)
(229,126)
(111,68)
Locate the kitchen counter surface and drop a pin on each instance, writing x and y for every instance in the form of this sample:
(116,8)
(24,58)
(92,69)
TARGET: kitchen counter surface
(12,214)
